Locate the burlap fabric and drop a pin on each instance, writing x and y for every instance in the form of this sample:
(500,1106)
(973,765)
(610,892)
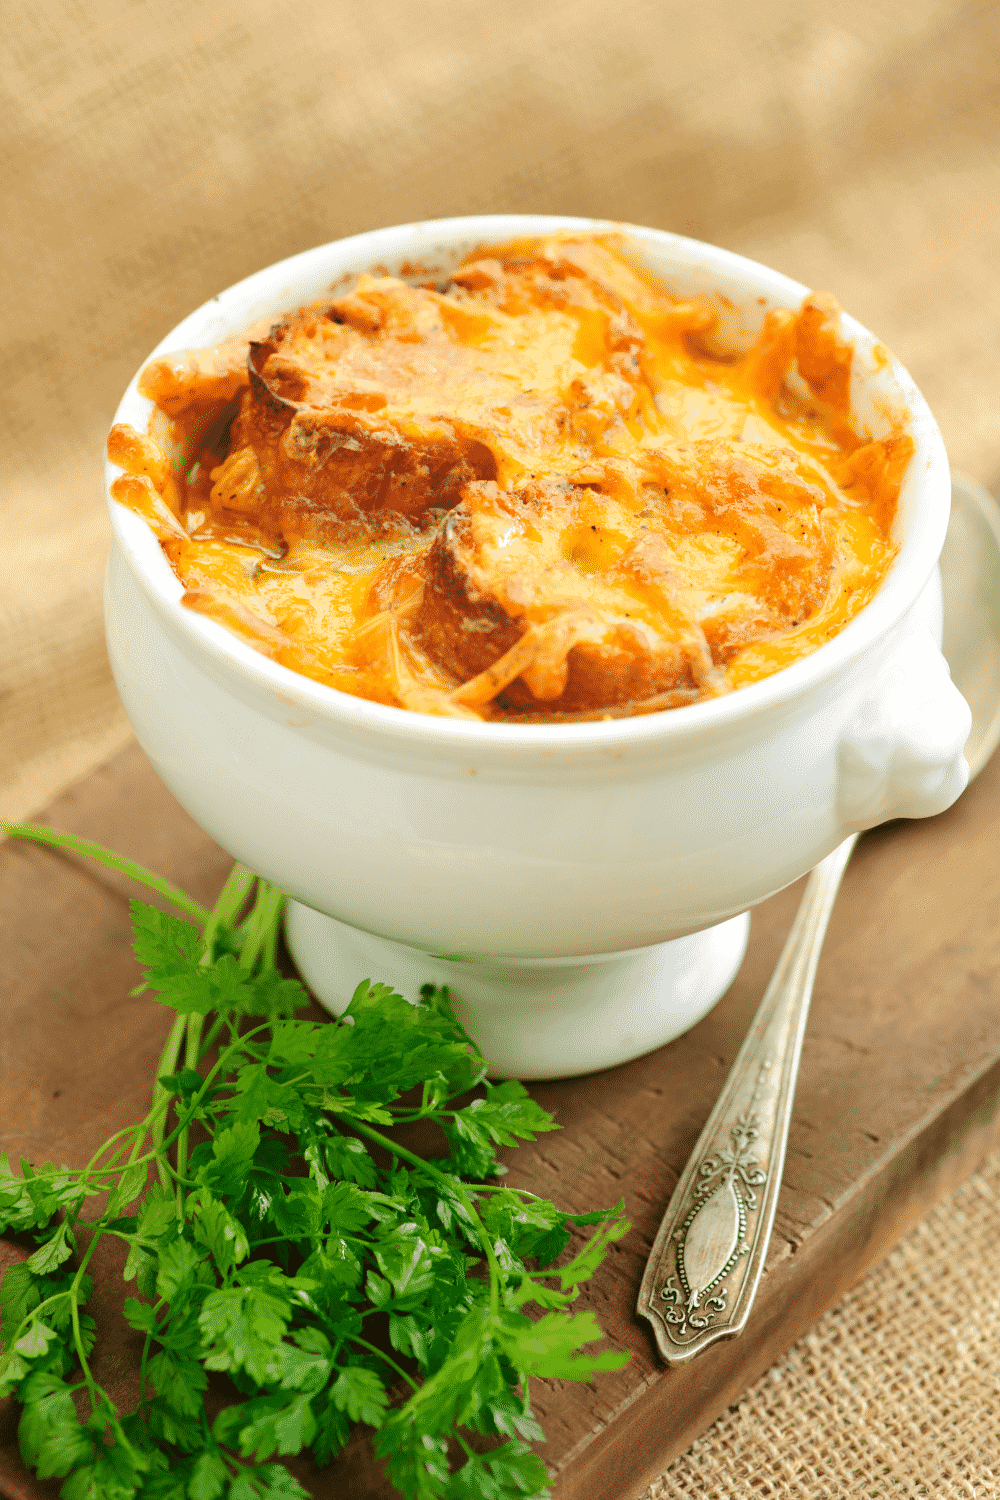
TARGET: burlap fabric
(151,154)
(895,1393)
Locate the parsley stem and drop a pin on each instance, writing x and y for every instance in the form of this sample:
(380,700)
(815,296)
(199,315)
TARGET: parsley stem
(374,1349)
(159,1152)
(259,935)
(142,1368)
(232,896)
(138,1134)
(220,1060)
(262,929)
(503,1187)
(80,1353)
(469,1452)
(452,1186)
(226,908)
(166,1067)
(30,1317)
(74,1298)
(213,1031)
(193,1043)
(194,1025)
(85,1258)
(129,1130)
(270,955)
(145,1355)
(38,834)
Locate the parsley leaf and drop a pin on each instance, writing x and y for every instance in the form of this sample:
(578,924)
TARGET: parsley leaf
(260,1252)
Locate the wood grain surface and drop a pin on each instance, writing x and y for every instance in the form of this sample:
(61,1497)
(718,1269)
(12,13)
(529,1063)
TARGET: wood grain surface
(898,1100)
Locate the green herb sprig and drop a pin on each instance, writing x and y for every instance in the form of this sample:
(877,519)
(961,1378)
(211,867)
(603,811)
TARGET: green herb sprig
(332,1286)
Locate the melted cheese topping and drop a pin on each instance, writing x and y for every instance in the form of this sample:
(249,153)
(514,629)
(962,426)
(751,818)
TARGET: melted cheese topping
(537,491)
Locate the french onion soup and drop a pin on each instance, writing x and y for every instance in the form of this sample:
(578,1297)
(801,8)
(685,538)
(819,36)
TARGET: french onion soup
(535,491)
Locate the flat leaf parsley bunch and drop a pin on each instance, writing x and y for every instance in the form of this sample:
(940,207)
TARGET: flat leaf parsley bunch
(331,1286)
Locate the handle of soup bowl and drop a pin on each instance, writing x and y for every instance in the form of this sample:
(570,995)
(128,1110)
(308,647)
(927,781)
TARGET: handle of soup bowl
(901,754)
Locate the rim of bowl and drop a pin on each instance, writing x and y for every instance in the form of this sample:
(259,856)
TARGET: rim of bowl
(918,553)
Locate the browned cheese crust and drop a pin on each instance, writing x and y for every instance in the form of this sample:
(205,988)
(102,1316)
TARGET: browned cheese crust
(554,495)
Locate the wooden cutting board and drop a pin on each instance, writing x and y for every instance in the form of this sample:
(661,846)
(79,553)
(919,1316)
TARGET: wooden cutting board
(898,1100)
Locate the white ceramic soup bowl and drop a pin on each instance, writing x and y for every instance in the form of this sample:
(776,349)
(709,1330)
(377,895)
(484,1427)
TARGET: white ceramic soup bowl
(581,887)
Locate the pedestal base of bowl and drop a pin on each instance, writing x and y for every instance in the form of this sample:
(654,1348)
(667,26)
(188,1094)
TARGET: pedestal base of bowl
(535,1018)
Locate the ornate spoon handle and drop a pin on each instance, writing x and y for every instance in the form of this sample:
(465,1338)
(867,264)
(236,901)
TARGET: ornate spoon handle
(703,1270)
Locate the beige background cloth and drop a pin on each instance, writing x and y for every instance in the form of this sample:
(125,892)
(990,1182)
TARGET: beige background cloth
(895,1393)
(153,153)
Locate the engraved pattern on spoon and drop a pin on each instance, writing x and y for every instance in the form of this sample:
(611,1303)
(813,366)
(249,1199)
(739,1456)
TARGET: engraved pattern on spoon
(711,1240)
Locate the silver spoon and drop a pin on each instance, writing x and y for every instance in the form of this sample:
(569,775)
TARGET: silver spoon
(703,1271)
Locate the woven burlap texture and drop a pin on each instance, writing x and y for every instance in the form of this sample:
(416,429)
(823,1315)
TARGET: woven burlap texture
(894,1395)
